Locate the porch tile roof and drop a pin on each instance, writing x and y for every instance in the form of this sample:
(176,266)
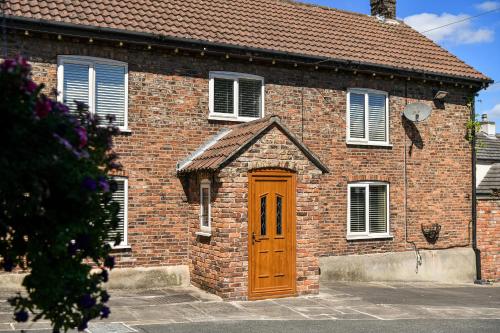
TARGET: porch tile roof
(220,149)
(270,25)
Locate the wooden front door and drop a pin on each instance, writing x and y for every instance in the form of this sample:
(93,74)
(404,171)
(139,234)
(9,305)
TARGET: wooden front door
(271,230)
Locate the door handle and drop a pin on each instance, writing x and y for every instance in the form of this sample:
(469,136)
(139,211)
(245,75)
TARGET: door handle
(254,239)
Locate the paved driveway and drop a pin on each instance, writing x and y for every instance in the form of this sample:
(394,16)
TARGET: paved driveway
(451,308)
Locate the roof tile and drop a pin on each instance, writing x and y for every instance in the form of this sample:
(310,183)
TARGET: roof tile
(219,149)
(490,185)
(274,25)
(488,147)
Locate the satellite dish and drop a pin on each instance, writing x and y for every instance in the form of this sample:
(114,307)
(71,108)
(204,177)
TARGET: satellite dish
(417,112)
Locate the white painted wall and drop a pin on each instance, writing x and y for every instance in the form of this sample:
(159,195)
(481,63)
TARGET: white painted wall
(481,171)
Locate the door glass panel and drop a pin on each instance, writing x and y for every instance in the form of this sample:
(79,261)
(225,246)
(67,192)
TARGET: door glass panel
(263,215)
(278,215)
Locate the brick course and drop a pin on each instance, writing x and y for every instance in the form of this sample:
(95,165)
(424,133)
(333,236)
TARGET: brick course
(168,109)
(488,242)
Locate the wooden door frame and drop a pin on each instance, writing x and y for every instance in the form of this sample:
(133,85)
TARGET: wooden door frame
(270,174)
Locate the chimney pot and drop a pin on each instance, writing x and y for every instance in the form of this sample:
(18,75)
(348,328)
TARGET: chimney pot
(487,127)
(384,8)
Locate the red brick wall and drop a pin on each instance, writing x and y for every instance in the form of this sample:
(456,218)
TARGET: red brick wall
(488,238)
(168,108)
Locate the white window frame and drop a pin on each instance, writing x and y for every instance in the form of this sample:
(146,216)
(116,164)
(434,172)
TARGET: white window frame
(235,77)
(124,243)
(366,141)
(367,234)
(205,230)
(90,61)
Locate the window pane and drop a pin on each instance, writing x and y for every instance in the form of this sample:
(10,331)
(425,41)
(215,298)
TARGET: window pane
(358,214)
(76,85)
(110,93)
(377,117)
(279,214)
(357,116)
(119,197)
(223,96)
(205,202)
(250,98)
(378,209)
(263,230)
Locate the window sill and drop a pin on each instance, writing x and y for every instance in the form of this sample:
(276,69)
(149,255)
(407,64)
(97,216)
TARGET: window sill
(369,143)
(234,119)
(361,237)
(203,234)
(125,131)
(121,248)
(122,130)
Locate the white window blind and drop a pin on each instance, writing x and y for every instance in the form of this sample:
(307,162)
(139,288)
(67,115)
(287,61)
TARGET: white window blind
(358,209)
(378,209)
(236,96)
(223,96)
(249,98)
(368,209)
(357,116)
(376,117)
(110,93)
(99,83)
(368,117)
(76,85)
(204,206)
(205,222)
(120,197)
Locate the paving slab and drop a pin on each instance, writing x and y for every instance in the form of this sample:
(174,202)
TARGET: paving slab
(270,310)
(384,312)
(176,312)
(5,327)
(419,293)
(122,314)
(110,328)
(223,311)
(336,302)
(32,326)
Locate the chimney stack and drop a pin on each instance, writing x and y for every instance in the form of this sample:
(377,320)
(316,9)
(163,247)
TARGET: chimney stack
(487,127)
(384,8)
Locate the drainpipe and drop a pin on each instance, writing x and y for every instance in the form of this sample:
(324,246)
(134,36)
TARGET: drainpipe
(477,252)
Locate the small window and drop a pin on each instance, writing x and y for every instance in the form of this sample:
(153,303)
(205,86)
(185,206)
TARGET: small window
(121,197)
(205,223)
(263,216)
(367,117)
(99,83)
(236,96)
(368,210)
(279,214)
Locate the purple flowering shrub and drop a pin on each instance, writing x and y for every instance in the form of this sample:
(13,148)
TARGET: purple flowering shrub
(55,202)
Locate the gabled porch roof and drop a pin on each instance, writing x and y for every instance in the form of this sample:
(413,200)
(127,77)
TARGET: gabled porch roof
(220,149)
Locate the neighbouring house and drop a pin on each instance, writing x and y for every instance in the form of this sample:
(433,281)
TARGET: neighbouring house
(488,199)
(263,142)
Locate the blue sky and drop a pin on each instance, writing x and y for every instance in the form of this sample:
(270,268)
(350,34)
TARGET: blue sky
(475,41)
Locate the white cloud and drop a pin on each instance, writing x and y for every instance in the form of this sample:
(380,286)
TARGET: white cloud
(488,5)
(494,113)
(458,33)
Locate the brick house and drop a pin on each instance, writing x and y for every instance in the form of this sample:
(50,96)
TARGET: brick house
(488,199)
(263,142)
